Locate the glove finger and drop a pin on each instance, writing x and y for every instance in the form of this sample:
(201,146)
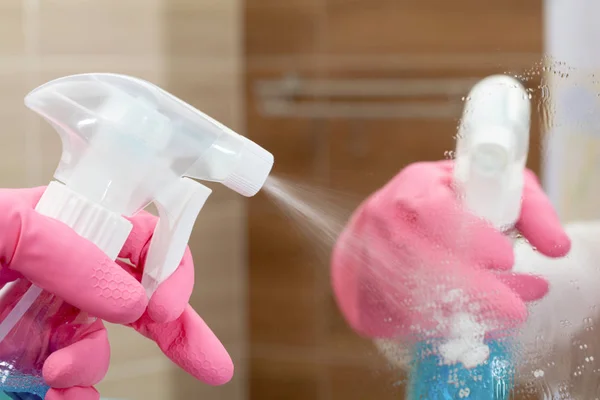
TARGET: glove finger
(463,290)
(83,363)
(527,287)
(74,393)
(190,344)
(136,246)
(461,234)
(484,245)
(52,256)
(539,222)
(173,295)
(493,303)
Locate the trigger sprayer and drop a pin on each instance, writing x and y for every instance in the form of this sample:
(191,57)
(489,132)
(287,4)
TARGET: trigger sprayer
(491,153)
(126,143)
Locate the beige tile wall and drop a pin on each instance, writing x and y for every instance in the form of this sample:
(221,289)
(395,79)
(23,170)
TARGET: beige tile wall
(193,49)
(204,64)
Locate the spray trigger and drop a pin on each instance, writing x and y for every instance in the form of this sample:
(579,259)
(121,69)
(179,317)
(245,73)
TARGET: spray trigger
(178,207)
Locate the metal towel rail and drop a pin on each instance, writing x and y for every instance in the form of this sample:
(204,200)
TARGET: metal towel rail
(328,98)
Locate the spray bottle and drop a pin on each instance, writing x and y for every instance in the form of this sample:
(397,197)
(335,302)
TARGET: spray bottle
(491,154)
(126,143)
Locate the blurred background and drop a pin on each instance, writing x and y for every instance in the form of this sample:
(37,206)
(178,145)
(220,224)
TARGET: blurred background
(344,93)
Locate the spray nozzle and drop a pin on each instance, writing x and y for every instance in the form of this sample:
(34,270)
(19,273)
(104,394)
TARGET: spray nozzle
(491,150)
(128,143)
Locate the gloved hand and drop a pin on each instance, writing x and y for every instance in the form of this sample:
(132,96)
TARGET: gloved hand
(410,258)
(52,256)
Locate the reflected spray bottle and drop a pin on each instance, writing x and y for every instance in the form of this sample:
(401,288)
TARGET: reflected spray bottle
(491,153)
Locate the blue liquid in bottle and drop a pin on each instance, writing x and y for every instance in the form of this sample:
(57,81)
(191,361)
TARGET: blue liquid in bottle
(431,379)
(48,325)
(28,396)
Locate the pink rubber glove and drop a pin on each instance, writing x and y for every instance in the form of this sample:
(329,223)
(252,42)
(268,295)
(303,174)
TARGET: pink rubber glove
(169,321)
(49,254)
(410,258)
(52,256)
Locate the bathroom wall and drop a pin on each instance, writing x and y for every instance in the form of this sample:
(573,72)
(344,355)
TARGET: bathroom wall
(345,93)
(204,64)
(190,47)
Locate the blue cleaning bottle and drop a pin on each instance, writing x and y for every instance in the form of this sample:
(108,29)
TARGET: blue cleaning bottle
(432,379)
(491,153)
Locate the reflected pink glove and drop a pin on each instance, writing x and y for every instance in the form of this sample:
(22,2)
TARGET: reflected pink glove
(410,258)
(49,254)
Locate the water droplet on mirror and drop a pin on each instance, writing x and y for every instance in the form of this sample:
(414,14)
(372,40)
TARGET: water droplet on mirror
(538,373)
(449,154)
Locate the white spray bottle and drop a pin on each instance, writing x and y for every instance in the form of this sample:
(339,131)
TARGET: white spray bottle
(491,153)
(492,148)
(128,143)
